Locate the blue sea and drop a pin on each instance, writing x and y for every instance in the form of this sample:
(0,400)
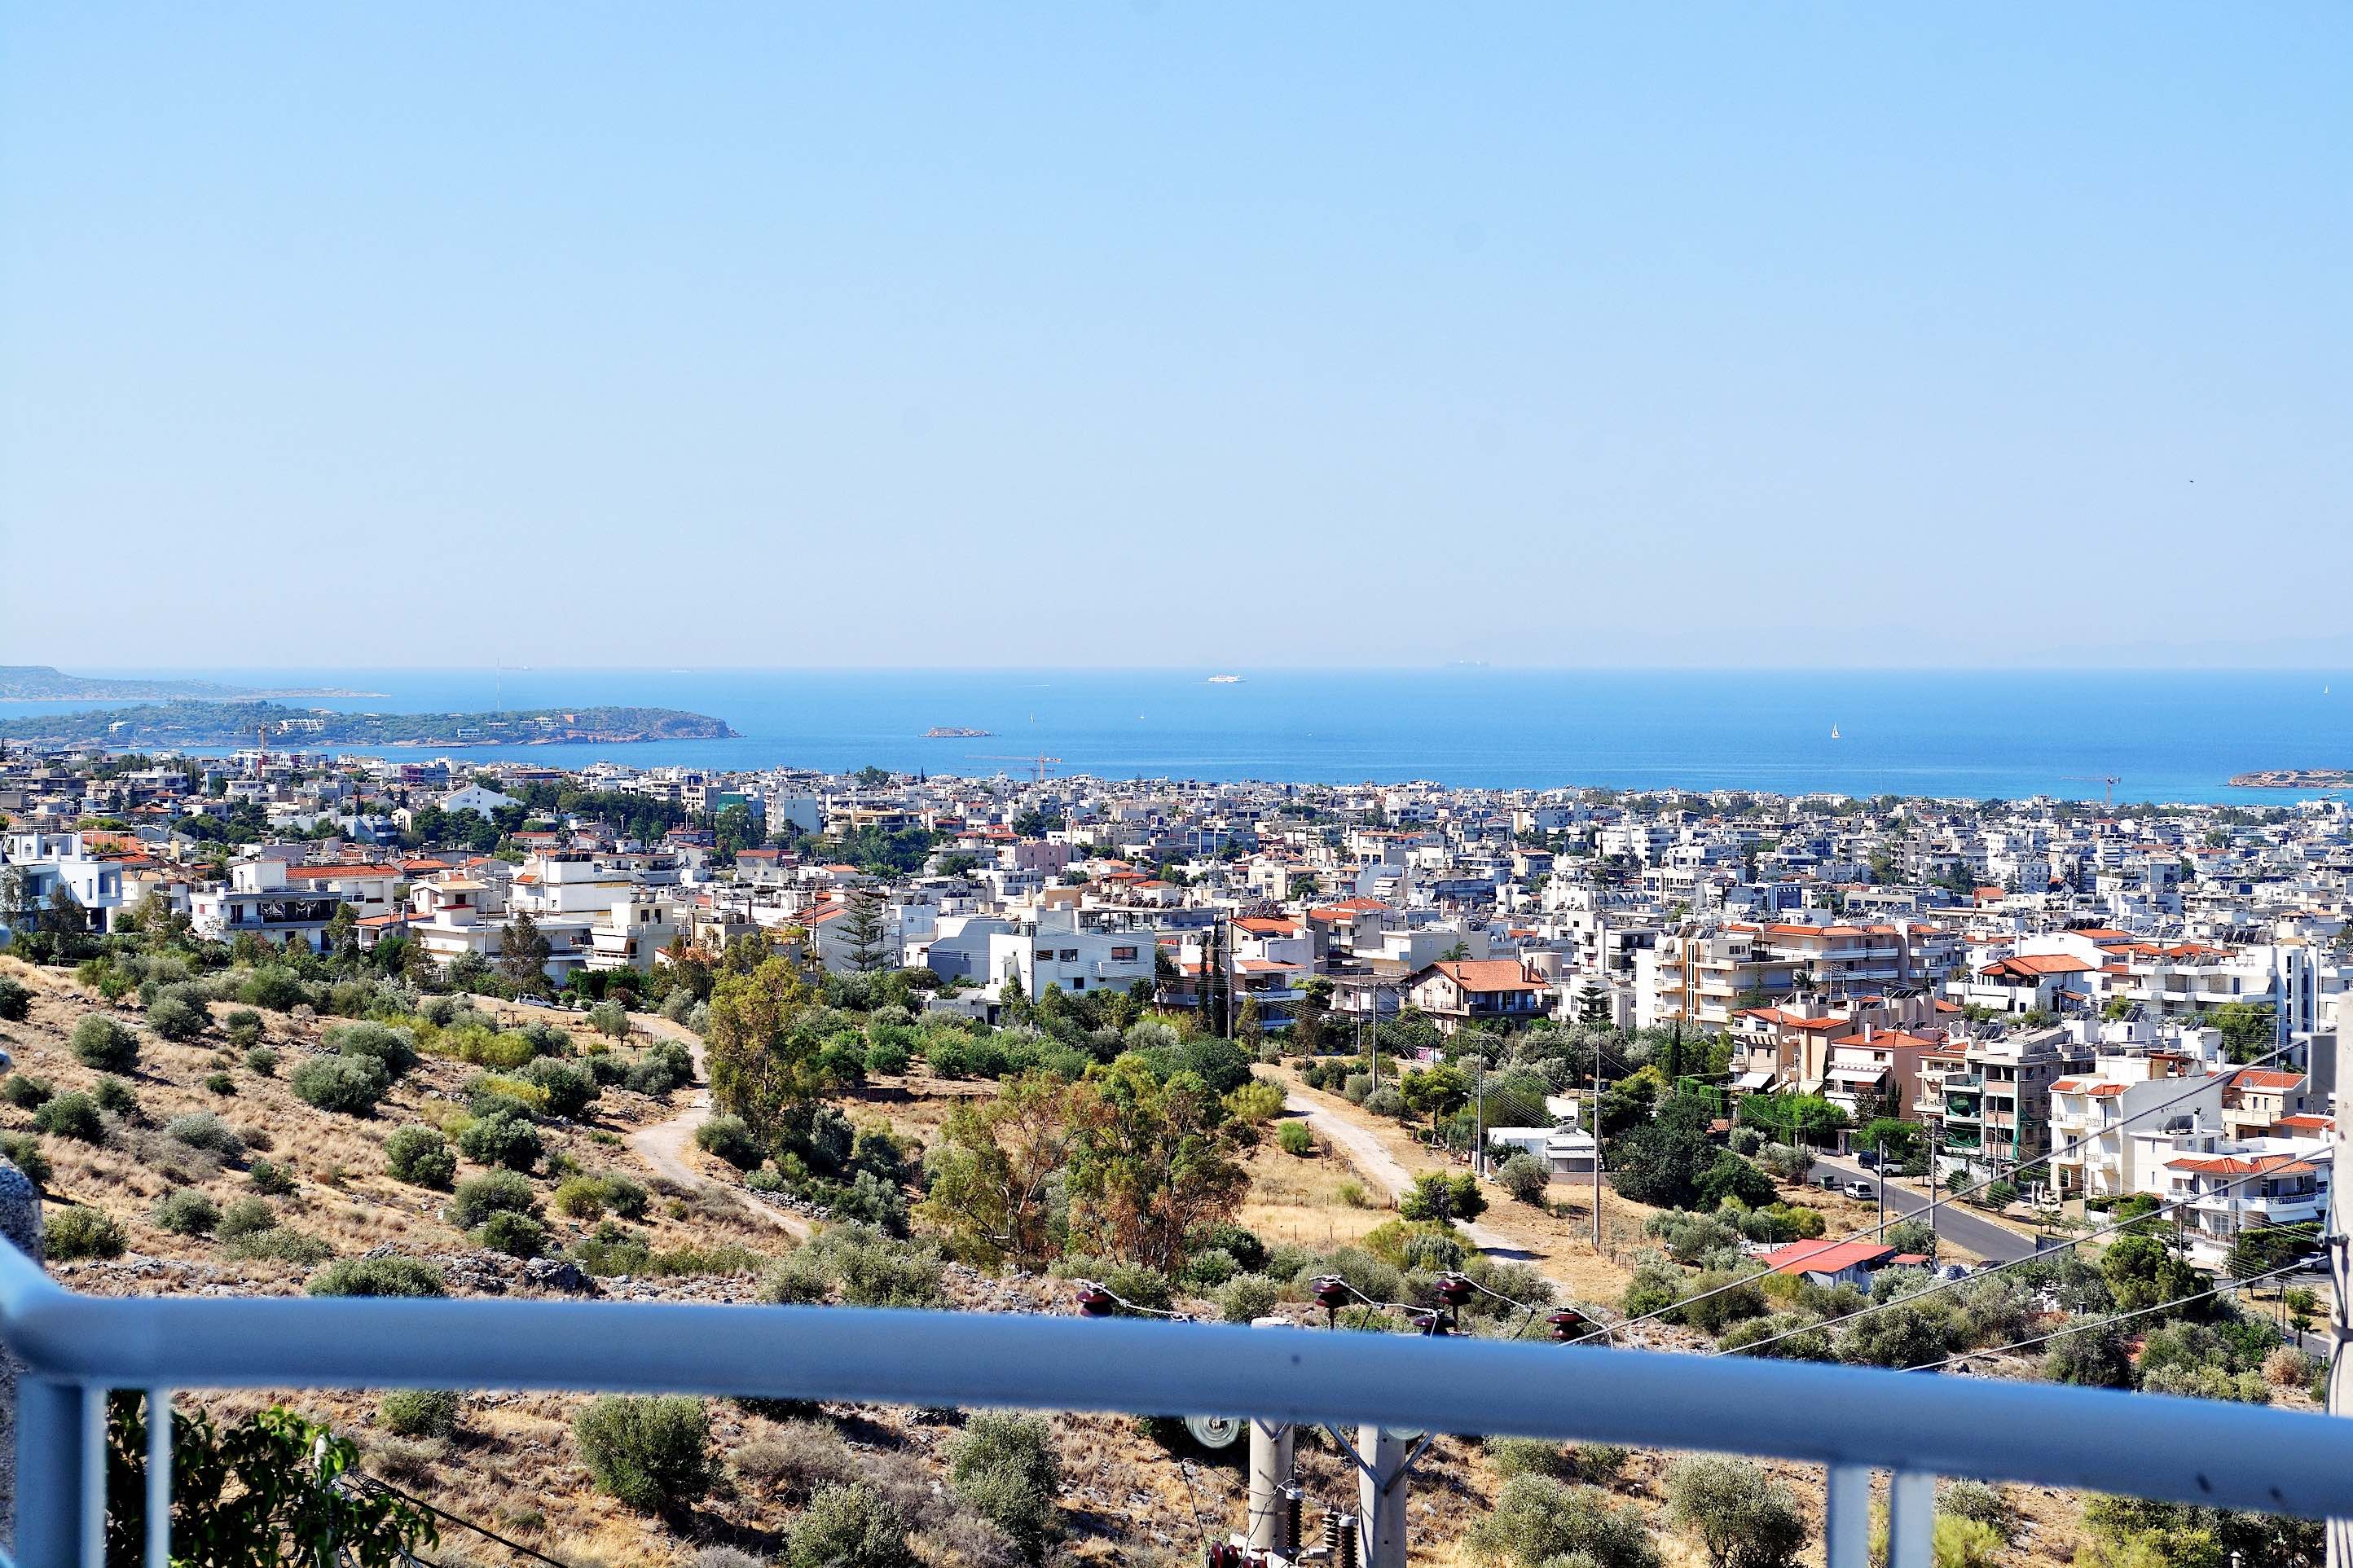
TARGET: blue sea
(2164,735)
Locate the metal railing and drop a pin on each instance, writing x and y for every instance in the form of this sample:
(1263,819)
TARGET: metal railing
(74,1349)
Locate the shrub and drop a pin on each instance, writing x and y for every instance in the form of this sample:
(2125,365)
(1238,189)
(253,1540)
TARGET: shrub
(516,1234)
(279,1244)
(1742,1516)
(1525,1177)
(1526,1456)
(651,1453)
(729,1139)
(849,1527)
(1782,1336)
(1294,1139)
(661,1068)
(101,1043)
(274,1180)
(1005,1468)
(509,1141)
(114,1095)
(1978,1503)
(73,1115)
(244,1028)
(419,1157)
(479,1197)
(1246,1297)
(570,1088)
(378,1277)
(1536,1518)
(26,1093)
(219,1083)
(175,1017)
(1721,1298)
(887,1057)
(187,1212)
(23,1151)
(869,1268)
(1966,1543)
(392,1049)
(80,1232)
(245,1216)
(2289,1367)
(797,1459)
(1208,1269)
(203,1130)
(16,1001)
(350,1085)
(417,1412)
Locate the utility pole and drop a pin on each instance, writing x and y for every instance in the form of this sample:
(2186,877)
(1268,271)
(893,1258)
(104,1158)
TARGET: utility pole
(2340,1269)
(1381,1487)
(1596,1148)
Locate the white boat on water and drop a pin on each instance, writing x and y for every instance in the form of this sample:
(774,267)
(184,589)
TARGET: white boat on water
(1225,680)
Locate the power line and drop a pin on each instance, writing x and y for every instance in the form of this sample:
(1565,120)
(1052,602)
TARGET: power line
(1954,1198)
(2227,1285)
(1943,1285)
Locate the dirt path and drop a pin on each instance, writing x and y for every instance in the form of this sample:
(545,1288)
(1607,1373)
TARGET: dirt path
(1365,1150)
(663,1145)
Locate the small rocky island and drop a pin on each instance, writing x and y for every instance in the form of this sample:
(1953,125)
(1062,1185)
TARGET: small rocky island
(2294,778)
(168,724)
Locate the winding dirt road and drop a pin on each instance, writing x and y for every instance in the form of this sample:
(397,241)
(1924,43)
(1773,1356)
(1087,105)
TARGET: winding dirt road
(663,1146)
(1366,1153)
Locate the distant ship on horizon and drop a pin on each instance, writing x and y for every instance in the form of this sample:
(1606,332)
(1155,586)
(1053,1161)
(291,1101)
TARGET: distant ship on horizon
(1225,680)
(952,733)
(1834,734)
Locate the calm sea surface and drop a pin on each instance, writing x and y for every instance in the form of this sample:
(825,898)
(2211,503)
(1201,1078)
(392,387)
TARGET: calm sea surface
(2166,735)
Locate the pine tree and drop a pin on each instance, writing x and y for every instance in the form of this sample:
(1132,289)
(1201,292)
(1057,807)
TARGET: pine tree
(864,926)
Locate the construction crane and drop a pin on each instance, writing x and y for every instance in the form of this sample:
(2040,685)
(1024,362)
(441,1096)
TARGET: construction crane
(1040,763)
(2107,781)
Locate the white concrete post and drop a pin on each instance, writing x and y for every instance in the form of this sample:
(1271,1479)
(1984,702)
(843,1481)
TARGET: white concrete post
(1271,1452)
(1381,1488)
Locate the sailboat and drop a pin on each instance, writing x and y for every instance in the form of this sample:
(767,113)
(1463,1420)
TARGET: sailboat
(1834,735)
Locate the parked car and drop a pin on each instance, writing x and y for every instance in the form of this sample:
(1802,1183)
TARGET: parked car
(1863,1190)
(1868,1159)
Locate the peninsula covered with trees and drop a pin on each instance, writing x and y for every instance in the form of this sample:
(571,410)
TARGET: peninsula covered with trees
(196,723)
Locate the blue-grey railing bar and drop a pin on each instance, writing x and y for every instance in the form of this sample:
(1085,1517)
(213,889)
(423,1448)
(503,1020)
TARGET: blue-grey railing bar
(2179,1449)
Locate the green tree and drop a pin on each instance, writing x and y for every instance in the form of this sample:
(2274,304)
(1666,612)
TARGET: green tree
(524,949)
(761,1068)
(1435,1195)
(1151,1163)
(864,928)
(1743,1517)
(1658,1163)
(995,1168)
(2248,1028)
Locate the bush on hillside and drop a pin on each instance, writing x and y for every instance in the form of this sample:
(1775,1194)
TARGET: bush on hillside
(203,1130)
(419,1157)
(1536,1518)
(1005,1468)
(187,1212)
(378,1277)
(1743,1517)
(80,1232)
(507,1140)
(479,1197)
(23,1151)
(175,1018)
(72,1115)
(348,1085)
(417,1412)
(26,1093)
(849,1527)
(101,1043)
(516,1234)
(653,1454)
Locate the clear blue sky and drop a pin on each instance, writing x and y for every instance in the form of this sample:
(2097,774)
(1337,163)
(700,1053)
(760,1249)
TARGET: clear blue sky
(1174,335)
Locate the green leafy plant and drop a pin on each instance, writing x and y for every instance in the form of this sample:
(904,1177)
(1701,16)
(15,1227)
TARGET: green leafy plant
(653,1454)
(263,1490)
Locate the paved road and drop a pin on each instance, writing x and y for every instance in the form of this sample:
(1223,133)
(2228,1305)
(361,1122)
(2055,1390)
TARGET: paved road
(1994,1242)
